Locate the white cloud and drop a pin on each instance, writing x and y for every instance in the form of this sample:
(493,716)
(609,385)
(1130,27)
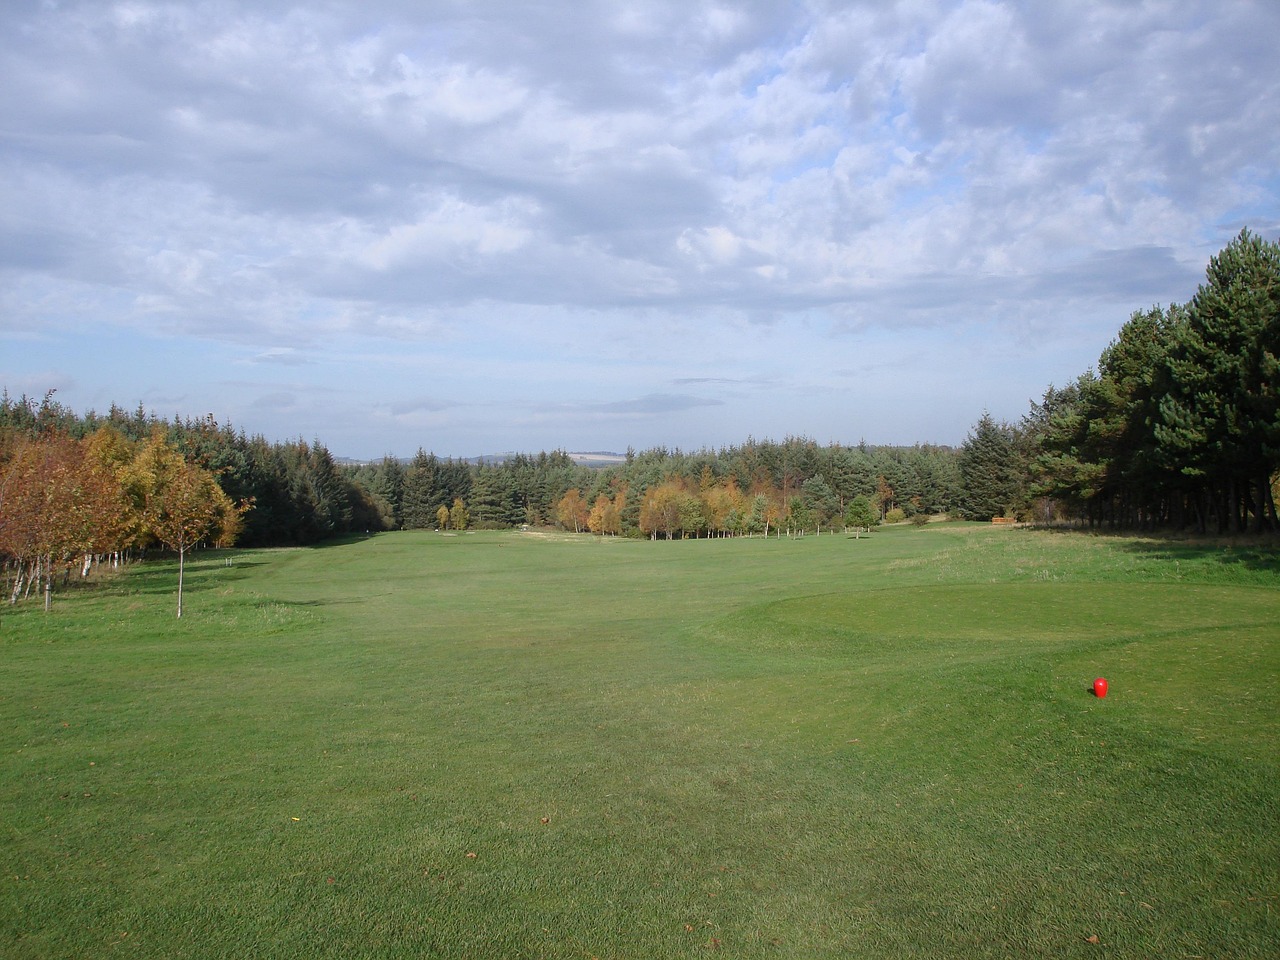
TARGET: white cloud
(653,180)
(451,231)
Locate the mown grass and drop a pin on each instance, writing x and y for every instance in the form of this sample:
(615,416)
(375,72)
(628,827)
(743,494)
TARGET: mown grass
(507,745)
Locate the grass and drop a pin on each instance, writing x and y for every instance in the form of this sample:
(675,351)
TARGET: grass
(508,745)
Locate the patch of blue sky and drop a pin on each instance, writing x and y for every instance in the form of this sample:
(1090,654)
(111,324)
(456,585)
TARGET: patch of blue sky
(1035,139)
(895,109)
(1259,210)
(822,160)
(769,70)
(924,196)
(124,367)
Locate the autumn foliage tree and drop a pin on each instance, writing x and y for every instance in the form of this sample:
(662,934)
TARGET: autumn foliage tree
(660,510)
(723,506)
(572,511)
(604,519)
(35,524)
(180,504)
(302,495)
(459,515)
(59,499)
(670,508)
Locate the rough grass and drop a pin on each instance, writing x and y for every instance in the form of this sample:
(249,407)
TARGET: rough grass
(500,745)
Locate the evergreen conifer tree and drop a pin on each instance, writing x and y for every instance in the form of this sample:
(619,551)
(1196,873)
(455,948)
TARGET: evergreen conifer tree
(988,470)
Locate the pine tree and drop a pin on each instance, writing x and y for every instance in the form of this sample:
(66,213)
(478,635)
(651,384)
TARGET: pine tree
(421,493)
(385,483)
(1220,418)
(988,470)
(820,500)
(492,499)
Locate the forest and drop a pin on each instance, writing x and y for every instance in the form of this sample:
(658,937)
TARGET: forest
(1179,425)
(1176,428)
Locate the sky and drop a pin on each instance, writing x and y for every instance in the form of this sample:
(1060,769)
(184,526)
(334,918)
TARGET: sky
(482,227)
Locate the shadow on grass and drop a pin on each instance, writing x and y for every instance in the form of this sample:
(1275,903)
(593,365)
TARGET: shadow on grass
(162,580)
(344,541)
(158,573)
(1245,553)
(155,572)
(335,602)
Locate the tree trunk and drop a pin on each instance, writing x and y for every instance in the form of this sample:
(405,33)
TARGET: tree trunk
(182,557)
(1269,501)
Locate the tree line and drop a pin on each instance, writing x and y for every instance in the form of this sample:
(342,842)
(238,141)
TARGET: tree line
(298,493)
(66,500)
(75,489)
(1178,426)
(795,485)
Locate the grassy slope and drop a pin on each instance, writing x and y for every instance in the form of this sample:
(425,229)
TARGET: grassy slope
(825,747)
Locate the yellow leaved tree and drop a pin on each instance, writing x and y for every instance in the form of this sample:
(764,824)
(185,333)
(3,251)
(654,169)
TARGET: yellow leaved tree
(180,504)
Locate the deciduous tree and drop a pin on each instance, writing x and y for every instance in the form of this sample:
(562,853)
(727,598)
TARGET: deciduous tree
(59,498)
(660,509)
(459,516)
(180,504)
(605,518)
(572,511)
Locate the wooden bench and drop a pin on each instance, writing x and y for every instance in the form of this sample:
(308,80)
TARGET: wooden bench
(1003,520)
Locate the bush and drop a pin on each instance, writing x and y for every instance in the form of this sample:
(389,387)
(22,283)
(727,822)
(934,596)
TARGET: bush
(896,515)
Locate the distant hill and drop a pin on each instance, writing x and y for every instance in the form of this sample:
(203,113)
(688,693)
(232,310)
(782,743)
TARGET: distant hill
(589,458)
(598,458)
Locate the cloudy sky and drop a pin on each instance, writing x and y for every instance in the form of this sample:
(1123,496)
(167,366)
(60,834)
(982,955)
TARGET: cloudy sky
(477,227)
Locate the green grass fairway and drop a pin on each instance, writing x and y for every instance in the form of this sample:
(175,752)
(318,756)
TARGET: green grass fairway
(502,745)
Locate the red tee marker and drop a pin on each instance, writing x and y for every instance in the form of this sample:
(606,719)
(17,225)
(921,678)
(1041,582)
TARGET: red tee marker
(1100,687)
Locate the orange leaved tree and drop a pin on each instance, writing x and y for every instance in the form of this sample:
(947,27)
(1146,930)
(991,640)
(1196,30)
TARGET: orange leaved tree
(58,499)
(572,511)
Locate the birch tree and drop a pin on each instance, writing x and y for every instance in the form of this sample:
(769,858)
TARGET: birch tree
(181,504)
